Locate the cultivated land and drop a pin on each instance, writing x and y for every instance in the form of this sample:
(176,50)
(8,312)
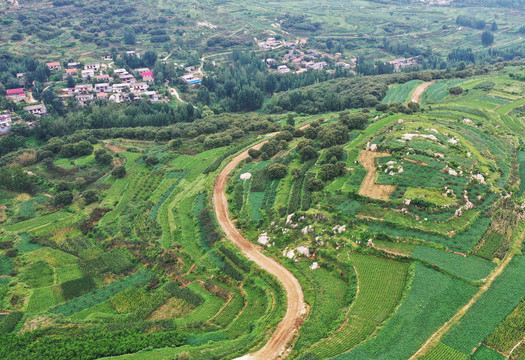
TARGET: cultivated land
(345,207)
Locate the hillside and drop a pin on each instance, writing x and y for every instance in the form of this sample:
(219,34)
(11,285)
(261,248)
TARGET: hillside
(196,180)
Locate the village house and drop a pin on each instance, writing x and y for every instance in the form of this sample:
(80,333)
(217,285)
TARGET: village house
(147,76)
(54,66)
(120,71)
(141,70)
(70,72)
(118,98)
(271,62)
(102,96)
(87,74)
(127,78)
(5,123)
(152,96)
(16,94)
(190,79)
(133,53)
(20,76)
(84,99)
(343,65)
(73,65)
(103,78)
(119,88)
(283,69)
(190,68)
(316,65)
(37,110)
(92,66)
(107,58)
(67,92)
(83,88)
(138,87)
(102,88)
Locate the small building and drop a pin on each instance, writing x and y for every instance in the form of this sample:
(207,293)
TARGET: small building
(119,88)
(87,74)
(133,53)
(83,88)
(190,79)
(73,65)
(103,78)
(5,123)
(84,99)
(127,78)
(16,94)
(92,66)
(190,68)
(37,110)
(152,96)
(141,70)
(102,88)
(70,72)
(147,76)
(102,96)
(283,69)
(107,58)
(139,87)
(20,76)
(120,71)
(271,62)
(54,66)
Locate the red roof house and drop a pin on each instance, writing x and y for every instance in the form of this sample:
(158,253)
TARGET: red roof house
(147,76)
(16,94)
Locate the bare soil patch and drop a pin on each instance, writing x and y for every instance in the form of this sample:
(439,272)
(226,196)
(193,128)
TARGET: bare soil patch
(369,188)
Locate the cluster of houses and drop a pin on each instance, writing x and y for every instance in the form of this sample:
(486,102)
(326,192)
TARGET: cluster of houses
(303,61)
(123,86)
(96,83)
(401,63)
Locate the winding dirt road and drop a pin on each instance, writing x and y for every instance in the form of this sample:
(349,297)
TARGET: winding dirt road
(296,308)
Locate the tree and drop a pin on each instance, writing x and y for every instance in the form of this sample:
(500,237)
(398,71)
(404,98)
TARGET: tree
(308,153)
(102,157)
(336,152)
(314,184)
(14,178)
(83,148)
(90,196)
(203,95)
(70,81)
(290,120)
(119,171)
(63,198)
(277,171)
(150,58)
(487,38)
(129,37)
(456,90)
(151,160)
(254,153)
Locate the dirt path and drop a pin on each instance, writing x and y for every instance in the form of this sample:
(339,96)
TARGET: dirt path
(296,308)
(175,93)
(369,188)
(436,337)
(416,95)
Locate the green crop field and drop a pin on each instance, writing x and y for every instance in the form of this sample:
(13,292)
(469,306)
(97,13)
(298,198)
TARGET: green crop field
(490,309)
(432,299)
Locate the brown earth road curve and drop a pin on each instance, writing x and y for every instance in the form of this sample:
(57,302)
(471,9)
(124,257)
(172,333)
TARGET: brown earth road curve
(416,95)
(296,308)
